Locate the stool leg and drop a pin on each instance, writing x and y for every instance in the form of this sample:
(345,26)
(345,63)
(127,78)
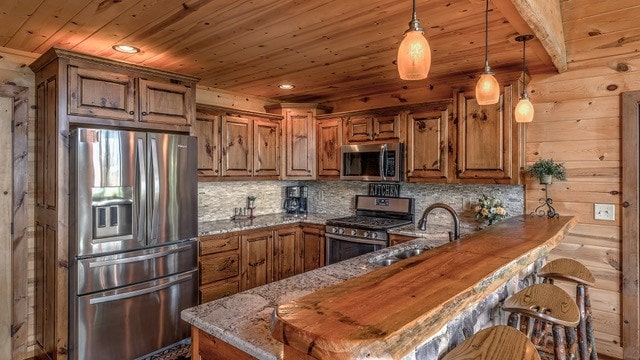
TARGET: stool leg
(537,336)
(514,320)
(591,341)
(582,325)
(559,344)
(572,342)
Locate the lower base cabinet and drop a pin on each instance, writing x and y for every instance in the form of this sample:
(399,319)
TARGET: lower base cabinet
(234,262)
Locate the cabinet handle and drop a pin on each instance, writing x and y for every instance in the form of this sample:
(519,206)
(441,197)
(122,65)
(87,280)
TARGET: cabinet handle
(216,171)
(131,112)
(144,113)
(626,204)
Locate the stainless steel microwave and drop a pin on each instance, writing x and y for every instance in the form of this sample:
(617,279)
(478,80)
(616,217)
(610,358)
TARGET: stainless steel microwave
(372,162)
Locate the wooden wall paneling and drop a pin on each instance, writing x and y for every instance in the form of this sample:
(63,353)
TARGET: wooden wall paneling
(6,182)
(15,119)
(630,224)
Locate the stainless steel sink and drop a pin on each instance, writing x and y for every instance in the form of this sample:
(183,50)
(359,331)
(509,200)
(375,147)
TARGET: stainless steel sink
(392,259)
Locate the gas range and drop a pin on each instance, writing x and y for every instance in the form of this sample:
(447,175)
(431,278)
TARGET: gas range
(374,216)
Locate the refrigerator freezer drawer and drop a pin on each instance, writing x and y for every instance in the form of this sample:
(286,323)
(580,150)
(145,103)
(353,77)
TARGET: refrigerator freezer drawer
(133,321)
(112,271)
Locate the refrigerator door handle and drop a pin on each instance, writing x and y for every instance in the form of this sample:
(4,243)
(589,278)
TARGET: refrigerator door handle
(156,192)
(142,192)
(138,258)
(172,281)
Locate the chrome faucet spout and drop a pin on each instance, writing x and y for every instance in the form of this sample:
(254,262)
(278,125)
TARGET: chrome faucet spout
(422,224)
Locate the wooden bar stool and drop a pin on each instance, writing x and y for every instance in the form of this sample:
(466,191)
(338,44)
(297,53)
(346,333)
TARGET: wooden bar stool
(539,305)
(495,343)
(573,271)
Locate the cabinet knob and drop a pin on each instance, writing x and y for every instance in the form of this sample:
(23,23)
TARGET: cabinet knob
(131,112)
(144,113)
(216,171)
(626,204)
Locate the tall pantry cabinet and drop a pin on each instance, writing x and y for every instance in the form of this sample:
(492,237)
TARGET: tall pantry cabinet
(73,90)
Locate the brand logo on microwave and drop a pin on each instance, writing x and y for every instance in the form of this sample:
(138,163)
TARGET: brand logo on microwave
(182,146)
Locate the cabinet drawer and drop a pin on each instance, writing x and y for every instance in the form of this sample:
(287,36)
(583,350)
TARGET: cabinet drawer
(216,245)
(218,267)
(219,289)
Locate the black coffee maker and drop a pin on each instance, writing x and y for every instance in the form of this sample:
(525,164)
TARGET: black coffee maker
(296,200)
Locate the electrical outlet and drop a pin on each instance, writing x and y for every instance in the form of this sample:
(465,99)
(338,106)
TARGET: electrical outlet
(466,204)
(604,212)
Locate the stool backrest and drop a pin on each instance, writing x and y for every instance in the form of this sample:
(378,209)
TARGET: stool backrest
(546,302)
(568,270)
(495,343)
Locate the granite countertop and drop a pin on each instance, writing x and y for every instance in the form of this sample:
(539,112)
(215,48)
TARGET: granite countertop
(243,319)
(225,226)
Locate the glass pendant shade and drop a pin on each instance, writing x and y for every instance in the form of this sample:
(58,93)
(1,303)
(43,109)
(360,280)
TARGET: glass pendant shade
(487,90)
(414,56)
(524,111)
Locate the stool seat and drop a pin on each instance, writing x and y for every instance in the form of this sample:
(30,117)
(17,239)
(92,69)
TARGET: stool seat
(495,343)
(568,270)
(545,302)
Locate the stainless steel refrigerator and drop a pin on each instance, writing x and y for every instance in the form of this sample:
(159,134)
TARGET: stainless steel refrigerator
(132,241)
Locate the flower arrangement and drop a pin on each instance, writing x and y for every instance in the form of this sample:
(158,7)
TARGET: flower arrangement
(490,208)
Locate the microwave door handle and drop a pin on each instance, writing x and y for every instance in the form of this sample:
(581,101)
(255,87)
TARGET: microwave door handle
(142,192)
(383,160)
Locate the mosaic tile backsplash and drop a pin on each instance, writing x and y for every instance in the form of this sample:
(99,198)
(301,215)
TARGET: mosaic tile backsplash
(217,200)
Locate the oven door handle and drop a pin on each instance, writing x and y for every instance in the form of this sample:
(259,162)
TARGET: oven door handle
(356,240)
(383,157)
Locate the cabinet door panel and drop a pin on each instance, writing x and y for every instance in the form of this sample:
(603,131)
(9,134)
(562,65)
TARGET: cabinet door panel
(329,135)
(101,94)
(485,138)
(212,245)
(257,260)
(237,143)
(165,103)
(219,266)
(267,144)
(285,254)
(207,130)
(300,154)
(427,148)
(358,129)
(386,127)
(219,290)
(313,244)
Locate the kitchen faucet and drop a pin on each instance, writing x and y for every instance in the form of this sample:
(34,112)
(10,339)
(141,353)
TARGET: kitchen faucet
(422,224)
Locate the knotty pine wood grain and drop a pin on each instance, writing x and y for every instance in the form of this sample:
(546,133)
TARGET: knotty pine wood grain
(427,291)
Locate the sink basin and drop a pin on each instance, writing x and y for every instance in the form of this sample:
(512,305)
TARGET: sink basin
(392,259)
(388,261)
(409,253)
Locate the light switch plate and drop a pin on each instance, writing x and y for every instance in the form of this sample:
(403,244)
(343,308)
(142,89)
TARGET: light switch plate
(604,212)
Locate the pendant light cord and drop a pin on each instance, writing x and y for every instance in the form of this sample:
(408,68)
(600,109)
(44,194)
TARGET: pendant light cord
(486,37)
(524,66)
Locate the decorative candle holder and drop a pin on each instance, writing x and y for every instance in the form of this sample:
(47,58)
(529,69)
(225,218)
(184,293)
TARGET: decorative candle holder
(547,203)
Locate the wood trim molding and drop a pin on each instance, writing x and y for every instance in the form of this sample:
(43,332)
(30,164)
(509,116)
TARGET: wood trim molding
(630,225)
(19,311)
(220,110)
(428,106)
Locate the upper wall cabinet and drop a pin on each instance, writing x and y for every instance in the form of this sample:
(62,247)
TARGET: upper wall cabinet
(371,127)
(104,92)
(207,129)
(488,140)
(328,148)
(428,145)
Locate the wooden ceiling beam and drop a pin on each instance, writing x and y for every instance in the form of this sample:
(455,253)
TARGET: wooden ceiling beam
(543,19)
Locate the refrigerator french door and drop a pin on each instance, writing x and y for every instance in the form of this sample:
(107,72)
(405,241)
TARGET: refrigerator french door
(132,241)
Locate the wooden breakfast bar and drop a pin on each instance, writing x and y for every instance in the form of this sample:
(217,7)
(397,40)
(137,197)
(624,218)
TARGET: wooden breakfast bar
(392,312)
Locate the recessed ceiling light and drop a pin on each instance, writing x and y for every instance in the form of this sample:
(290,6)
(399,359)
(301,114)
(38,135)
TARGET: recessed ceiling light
(286,86)
(127,49)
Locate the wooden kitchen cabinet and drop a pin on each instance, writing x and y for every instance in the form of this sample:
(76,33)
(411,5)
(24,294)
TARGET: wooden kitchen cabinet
(312,247)
(257,260)
(428,145)
(286,250)
(488,139)
(266,148)
(328,148)
(237,146)
(207,129)
(99,93)
(372,127)
(219,265)
(395,239)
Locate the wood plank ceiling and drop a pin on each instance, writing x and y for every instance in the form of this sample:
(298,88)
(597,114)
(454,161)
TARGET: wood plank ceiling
(330,49)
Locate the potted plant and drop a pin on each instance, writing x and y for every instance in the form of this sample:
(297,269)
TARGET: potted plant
(545,170)
(251,201)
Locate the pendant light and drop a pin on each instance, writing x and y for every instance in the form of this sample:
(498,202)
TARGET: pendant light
(524,109)
(487,88)
(414,53)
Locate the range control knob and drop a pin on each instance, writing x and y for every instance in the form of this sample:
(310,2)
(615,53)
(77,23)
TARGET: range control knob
(374,235)
(365,234)
(354,232)
(341,231)
(334,230)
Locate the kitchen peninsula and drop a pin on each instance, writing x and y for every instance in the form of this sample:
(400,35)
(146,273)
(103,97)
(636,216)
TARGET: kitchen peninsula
(358,308)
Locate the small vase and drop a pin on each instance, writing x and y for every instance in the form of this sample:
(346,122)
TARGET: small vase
(546,179)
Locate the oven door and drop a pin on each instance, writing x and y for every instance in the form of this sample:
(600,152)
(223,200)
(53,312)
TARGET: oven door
(341,248)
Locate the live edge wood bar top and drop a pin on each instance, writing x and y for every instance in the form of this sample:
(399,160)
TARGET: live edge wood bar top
(389,312)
